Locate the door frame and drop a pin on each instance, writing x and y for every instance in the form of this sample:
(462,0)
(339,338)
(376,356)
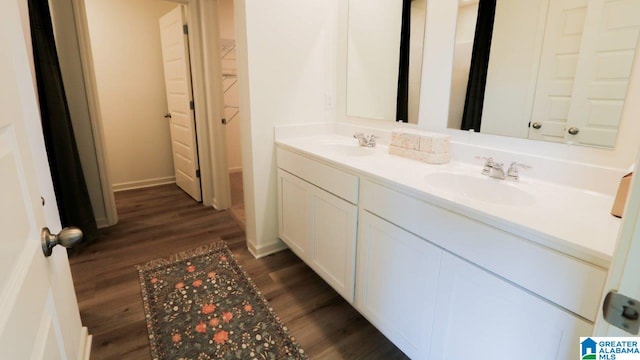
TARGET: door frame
(206,68)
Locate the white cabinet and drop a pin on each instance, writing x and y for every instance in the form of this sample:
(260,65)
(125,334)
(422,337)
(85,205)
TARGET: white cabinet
(439,285)
(434,305)
(498,297)
(480,316)
(396,282)
(321,229)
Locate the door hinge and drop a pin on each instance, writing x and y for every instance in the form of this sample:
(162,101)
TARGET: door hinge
(185,29)
(198,173)
(192,106)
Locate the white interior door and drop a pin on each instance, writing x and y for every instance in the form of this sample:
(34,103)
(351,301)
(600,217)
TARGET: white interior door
(603,70)
(624,271)
(557,72)
(39,317)
(177,77)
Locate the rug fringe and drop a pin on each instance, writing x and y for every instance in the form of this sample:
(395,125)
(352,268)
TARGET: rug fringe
(182,255)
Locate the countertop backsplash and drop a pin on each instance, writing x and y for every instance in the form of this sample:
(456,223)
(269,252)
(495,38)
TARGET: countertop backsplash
(580,175)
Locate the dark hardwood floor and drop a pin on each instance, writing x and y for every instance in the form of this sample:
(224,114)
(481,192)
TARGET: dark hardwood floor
(156,222)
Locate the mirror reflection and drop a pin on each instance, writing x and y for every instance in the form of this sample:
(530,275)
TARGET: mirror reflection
(384,58)
(553,70)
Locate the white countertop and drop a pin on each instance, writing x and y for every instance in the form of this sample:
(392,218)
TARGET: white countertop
(572,221)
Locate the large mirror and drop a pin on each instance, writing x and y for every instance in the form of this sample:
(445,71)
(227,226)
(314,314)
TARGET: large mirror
(554,70)
(384,58)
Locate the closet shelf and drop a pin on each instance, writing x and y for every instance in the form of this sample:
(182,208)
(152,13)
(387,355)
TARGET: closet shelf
(227,83)
(230,113)
(226,47)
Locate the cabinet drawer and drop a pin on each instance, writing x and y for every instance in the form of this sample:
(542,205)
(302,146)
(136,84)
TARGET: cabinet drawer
(335,181)
(566,281)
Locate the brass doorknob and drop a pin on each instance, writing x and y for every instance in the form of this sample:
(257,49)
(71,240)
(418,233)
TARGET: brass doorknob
(573,130)
(536,125)
(67,237)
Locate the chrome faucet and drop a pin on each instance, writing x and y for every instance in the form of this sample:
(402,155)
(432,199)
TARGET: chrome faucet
(496,170)
(367,141)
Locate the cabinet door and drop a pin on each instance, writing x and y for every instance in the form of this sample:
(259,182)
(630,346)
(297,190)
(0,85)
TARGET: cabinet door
(396,280)
(334,241)
(481,316)
(294,214)
(321,229)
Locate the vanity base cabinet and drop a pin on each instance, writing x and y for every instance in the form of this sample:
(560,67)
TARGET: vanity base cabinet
(320,228)
(396,283)
(481,316)
(439,285)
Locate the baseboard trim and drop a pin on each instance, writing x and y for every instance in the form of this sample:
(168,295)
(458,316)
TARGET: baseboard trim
(235,169)
(215,205)
(140,184)
(102,222)
(266,249)
(85,344)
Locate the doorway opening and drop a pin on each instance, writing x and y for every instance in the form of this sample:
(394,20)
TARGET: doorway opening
(231,106)
(123,133)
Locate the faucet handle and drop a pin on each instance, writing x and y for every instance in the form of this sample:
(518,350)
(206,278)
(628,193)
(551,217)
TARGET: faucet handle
(512,173)
(363,140)
(488,164)
(372,140)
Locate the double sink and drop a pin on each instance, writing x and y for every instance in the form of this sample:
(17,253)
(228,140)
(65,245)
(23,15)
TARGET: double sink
(464,182)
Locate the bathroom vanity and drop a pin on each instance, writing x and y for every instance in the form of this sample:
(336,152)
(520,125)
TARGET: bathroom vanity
(445,262)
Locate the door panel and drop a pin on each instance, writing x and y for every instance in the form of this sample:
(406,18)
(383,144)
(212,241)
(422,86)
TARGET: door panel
(294,204)
(334,241)
(33,289)
(477,307)
(603,72)
(177,77)
(558,63)
(625,267)
(396,280)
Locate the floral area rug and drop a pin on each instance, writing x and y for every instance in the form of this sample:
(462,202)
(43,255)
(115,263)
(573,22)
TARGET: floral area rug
(200,304)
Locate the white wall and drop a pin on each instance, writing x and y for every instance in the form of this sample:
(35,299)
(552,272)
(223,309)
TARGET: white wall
(373,62)
(287,64)
(69,56)
(227,31)
(125,43)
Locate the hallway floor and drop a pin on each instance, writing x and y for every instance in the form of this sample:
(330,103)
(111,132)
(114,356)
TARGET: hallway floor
(156,222)
(237,198)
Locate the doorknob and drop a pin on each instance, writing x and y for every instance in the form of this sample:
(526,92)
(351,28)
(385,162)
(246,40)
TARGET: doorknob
(622,312)
(167,115)
(67,237)
(573,130)
(536,125)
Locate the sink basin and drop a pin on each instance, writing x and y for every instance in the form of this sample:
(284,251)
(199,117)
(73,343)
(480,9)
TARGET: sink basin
(480,188)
